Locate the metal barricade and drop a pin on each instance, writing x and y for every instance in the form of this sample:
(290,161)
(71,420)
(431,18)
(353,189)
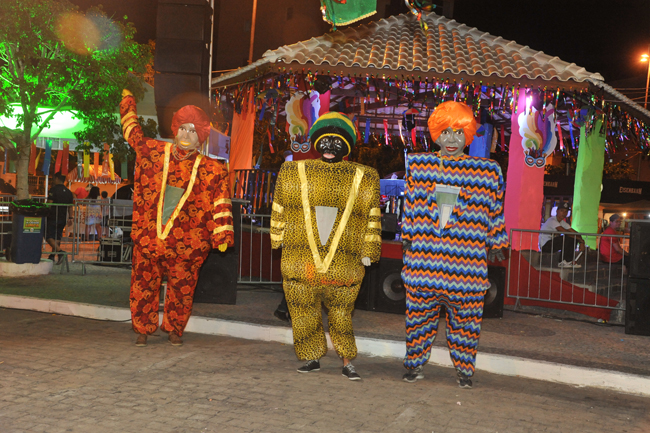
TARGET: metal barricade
(258,263)
(101,232)
(543,275)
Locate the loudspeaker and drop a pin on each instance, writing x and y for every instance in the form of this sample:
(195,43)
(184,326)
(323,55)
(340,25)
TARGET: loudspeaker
(217,282)
(182,59)
(493,302)
(640,250)
(389,291)
(382,288)
(388,226)
(637,308)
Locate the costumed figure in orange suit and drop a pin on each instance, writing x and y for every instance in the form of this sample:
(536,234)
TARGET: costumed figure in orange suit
(181,211)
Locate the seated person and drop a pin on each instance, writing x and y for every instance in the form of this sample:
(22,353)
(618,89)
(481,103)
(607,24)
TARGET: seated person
(561,242)
(609,248)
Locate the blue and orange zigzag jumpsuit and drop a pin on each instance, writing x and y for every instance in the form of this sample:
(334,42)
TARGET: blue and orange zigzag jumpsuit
(448,265)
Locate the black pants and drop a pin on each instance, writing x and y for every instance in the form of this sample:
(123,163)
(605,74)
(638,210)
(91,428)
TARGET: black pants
(565,243)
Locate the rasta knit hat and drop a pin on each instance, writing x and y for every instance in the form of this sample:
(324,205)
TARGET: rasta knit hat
(335,125)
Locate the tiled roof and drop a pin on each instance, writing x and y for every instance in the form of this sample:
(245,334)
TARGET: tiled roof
(448,48)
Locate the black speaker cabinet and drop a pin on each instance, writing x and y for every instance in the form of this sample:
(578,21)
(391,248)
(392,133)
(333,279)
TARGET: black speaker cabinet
(637,307)
(182,59)
(382,288)
(640,250)
(493,302)
(218,276)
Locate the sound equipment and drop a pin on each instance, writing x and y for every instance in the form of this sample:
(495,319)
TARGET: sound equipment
(640,250)
(382,289)
(182,58)
(637,306)
(111,250)
(493,302)
(388,226)
(217,282)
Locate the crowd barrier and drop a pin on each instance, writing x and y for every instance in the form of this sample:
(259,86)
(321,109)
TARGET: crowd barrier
(542,276)
(98,231)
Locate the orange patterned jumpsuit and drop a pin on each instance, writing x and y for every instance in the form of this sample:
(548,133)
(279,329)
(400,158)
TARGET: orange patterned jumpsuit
(201,221)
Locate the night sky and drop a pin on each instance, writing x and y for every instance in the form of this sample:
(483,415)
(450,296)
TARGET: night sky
(602,36)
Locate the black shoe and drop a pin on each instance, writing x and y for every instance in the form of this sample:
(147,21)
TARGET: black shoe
(350,372)
(282,315)
(51,257)
(312,365)
(60,258)
(463,381)
(413,374)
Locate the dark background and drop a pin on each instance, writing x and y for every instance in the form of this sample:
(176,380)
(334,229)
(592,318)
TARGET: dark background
(602,36)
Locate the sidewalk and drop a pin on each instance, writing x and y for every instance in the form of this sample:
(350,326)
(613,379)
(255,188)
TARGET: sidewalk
(542,344)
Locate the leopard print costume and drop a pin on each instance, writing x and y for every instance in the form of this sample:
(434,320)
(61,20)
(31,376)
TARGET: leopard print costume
(313,273)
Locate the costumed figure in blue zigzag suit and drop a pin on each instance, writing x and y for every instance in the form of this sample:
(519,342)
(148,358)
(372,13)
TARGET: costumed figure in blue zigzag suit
(453,213)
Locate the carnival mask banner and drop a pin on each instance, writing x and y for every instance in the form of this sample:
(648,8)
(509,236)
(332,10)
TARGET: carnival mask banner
(525,190)
(299,109)
(537,133)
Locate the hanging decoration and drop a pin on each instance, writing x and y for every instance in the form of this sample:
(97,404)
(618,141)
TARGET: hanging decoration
(32,160)
(298,125)
(86,163)
(537,135)
(48,157)
(344,12)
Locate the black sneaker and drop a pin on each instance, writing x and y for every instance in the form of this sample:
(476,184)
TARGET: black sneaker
(413,374)
(463,381)
(312,365)
(350,372)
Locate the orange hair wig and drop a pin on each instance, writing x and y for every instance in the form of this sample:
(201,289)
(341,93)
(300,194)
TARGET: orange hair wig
(454,114)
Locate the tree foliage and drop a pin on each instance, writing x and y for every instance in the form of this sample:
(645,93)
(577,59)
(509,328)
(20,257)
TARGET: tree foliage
(53,56)
(618,170)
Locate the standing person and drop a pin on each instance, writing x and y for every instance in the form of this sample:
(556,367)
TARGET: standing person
(550,243)
(58,216)
(609,248)
(93,215)
(327,220)
(181,211)
(453,213)
(105,212)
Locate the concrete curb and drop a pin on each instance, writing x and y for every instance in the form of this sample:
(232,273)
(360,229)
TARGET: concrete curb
(497,364)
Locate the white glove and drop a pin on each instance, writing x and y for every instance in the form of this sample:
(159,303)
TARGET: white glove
(365,261)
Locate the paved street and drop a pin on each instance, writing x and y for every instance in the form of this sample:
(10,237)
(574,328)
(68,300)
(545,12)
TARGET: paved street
(67,374)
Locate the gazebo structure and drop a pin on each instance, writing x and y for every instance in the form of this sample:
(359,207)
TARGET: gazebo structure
(381,69)
(388,76)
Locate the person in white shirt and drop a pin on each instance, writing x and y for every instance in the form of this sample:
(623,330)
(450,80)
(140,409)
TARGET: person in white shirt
(550,243)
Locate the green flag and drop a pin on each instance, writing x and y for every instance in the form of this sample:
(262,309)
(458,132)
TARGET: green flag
(344,12)
(589,177)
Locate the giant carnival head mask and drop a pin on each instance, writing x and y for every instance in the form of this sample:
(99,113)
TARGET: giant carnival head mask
(452,127)
(333,135)
(191,127)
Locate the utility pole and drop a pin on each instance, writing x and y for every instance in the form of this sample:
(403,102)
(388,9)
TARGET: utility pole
(250,50)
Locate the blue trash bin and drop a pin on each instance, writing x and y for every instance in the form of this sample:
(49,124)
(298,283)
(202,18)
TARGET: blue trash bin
(27,231)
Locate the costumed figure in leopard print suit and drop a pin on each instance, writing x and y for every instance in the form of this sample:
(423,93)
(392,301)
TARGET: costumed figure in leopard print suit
(181,211)
(326,218)
(453,213)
